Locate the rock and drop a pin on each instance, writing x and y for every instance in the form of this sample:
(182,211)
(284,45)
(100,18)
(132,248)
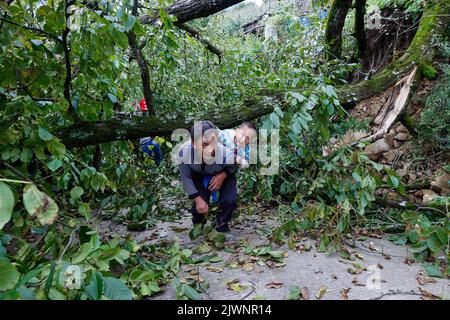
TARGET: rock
(376,149)
(402,136)
(390,155)
(402,128)
(428,196)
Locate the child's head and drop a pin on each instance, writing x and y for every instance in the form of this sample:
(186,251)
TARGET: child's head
(245,133)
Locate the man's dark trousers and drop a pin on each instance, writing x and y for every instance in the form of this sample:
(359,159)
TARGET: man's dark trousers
(227,201)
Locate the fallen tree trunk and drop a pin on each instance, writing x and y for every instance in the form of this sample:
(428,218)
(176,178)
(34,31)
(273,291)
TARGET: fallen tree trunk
(434,21)
(188,10)
(127,127)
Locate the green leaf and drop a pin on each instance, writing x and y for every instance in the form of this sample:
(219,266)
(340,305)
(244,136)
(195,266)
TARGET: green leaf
(9,276)
(279,111)
(195,232)
(434,244)
(112,97)
(276,254)
(294,294)
(191,293)
(6,204)
(130,20)
(26,155)
(83,252)
(115,289)
(433,270)
(44,134)
(54,165)
(299,97)
(94,289)
(76,193)
(56,147)
(275,119)
(441,233)
(393,181)
(357,177)
(325,132)
(39,204)
(36,42)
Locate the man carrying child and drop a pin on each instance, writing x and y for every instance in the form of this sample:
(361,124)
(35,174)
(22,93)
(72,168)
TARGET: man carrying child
(208,164)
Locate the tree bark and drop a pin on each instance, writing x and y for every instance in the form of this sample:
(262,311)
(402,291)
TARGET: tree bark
(187,10)
(335,24)
(435,21)
(360,29)
(127,127)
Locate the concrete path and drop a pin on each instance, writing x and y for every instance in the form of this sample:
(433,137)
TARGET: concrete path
(377,268)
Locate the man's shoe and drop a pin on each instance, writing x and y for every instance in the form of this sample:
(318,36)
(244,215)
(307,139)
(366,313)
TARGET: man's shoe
(223,229)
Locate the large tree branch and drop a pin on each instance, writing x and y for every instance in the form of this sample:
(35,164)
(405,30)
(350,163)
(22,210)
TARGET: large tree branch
(126,127)
(187,10)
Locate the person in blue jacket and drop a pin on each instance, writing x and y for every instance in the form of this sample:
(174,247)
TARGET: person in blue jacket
(151,149)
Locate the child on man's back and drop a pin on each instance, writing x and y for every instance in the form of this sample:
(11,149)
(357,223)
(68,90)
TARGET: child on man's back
(237,141)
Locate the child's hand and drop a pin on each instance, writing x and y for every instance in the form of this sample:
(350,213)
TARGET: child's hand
(244,164)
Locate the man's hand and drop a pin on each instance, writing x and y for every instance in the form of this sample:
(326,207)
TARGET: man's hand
(216,181)
(201,205)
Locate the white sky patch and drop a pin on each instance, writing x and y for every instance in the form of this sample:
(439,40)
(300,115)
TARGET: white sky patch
(259,3)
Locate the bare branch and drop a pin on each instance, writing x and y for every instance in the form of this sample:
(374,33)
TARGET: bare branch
(32,29)
(197,35)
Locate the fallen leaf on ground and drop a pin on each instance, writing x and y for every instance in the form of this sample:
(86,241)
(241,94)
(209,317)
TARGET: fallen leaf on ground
(344,293)
(248,266)
(424,279)
(359,255)
(428,295)
(178,229)
(214,269)
(359,267)
(409,261)
(274,285)
(322,291)
(353,271)
(304,292)
(356,282)
(237,287)
(196,278)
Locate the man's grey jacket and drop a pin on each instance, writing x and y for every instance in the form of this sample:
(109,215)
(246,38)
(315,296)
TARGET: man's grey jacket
(189,163)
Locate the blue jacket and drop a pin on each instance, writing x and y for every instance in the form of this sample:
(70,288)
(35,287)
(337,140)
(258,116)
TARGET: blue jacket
(152,149)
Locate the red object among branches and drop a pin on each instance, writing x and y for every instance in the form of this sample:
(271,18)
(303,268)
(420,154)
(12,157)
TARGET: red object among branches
(143,105)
